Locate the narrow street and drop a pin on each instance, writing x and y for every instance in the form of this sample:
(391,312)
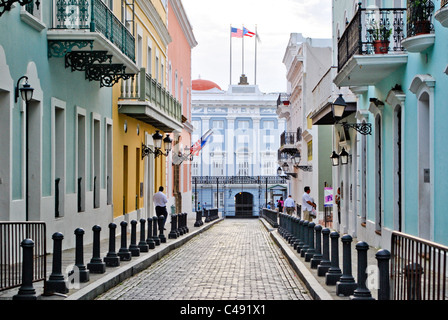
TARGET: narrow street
(236,259)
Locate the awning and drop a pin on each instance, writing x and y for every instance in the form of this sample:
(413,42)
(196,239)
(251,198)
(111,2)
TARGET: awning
(324,116)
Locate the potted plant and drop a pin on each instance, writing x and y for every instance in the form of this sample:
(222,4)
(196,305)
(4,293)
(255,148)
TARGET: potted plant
(381,35)
(419,13)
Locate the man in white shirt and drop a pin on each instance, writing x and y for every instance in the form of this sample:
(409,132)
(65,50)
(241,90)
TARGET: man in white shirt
(160,201)
(307,204)
(289,205)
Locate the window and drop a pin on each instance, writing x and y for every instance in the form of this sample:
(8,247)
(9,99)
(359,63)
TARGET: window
(195,168)
(218,124)
(310,150)
(242,168)
(217,166)
(268,124)
(243,124)
(221,199)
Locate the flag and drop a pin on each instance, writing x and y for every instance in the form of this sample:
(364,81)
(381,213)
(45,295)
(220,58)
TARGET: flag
(237,33)
(248,33)
(194,150)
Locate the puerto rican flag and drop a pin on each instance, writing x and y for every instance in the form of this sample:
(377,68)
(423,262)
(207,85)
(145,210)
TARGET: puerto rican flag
(197,147)
(248,33)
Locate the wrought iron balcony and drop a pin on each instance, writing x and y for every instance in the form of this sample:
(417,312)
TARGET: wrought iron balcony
(419,26)
(372,41)
(237,180)
(288,142)
(283,105)
(145,99)
(89,27)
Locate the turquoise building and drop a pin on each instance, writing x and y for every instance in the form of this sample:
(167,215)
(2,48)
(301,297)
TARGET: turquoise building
(397,175)
(56,150)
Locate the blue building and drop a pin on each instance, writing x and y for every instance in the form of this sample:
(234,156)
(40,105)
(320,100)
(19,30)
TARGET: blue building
(397,177)
(56,147)
(236,171)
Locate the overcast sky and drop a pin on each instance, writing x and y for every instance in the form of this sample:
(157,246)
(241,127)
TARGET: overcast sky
(274,21)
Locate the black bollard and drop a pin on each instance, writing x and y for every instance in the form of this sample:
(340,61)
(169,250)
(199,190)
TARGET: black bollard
(173,233)
(155,223)
(142,245)
(301,243)
(362,292)
(310,252)
(305,236)
(325,264)
(112,259)
(317,257)
(185,224)
(334,273)
(82,274)
(124,253)
(161,227)
(56,281)
(296,232)
(346,284)
(96,264)
(383,257)
(133,248)
(180,229)
(149,239)
(26,290)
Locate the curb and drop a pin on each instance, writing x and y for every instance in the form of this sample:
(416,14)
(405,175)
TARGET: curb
(317,291)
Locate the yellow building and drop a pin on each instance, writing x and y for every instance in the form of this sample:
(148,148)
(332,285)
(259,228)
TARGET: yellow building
(142,105)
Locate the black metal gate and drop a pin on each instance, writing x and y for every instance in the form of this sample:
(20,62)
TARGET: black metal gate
(244,204)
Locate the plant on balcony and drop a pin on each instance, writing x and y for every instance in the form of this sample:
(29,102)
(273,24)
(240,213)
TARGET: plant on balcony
(380,35)
(419,16)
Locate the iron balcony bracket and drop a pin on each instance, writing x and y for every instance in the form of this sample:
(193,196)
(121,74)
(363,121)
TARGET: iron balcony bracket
(59,48)
(81,60)
(107,74)
(363,128)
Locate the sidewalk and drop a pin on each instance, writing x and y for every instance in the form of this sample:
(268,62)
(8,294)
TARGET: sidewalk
(113,276)
(316,284)
(100,283)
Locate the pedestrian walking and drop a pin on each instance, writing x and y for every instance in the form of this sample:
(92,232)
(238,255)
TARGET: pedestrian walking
(290,205)
(160,201)
(307,204)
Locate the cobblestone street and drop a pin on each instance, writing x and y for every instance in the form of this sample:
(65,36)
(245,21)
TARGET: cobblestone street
(236,259)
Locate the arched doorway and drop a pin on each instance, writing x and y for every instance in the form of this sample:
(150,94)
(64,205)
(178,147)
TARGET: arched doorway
(244,204)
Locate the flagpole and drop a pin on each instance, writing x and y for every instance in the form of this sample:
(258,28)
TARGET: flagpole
(256,40)
(243,51)
(230,55)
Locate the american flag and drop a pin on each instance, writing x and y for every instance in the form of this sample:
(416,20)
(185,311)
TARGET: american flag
(194,150)
(236,33)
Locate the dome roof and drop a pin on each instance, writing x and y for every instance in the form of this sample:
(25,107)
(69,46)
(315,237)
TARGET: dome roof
(202,85)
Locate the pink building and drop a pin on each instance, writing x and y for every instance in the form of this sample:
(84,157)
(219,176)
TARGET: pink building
(179,83)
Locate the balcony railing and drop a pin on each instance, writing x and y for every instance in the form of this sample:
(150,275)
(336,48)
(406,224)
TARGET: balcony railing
(145,88)
(288,138)
(283,99)
(419,17)
(368,27)
(95,16)
(237,180)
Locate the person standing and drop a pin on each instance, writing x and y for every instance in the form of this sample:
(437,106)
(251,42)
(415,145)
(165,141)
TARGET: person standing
(289,205)
(280,204)
(307,204)
(160,201)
